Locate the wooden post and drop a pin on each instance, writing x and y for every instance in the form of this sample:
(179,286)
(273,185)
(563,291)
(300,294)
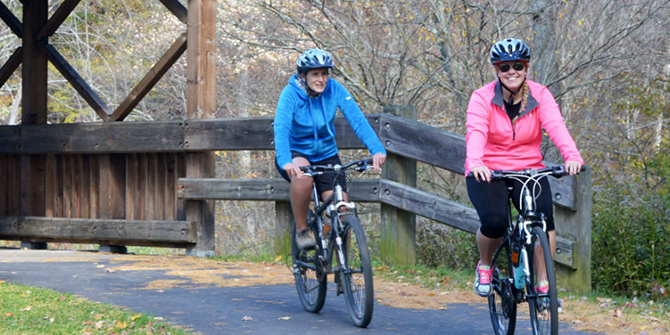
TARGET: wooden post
(398,245)
(576,226)
(34,110)
(283,222)
(200,104)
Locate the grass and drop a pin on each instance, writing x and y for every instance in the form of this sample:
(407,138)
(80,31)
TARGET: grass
(29,310)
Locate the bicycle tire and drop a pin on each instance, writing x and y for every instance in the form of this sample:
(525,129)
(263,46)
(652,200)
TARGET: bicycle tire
(310,277)
(543,307)
(502,304)
(357,279)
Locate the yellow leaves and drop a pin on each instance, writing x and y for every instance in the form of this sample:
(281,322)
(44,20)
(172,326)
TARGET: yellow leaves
(121,324)
(580,22)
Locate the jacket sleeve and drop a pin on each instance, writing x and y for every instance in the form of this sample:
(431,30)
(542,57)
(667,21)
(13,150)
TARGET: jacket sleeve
(477,125)
(357,120)
(553,123)
(282,127)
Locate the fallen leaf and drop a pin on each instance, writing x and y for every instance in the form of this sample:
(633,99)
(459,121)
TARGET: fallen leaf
(617,313)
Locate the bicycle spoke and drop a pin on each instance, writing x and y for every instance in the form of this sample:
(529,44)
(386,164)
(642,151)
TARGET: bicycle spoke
(310,279)
(542,296)
(357,275)
(502,305)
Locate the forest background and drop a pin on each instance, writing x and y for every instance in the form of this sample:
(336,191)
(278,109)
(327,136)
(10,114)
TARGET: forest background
(607,62)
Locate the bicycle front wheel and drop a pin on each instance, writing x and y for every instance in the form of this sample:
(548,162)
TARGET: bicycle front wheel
(502,304)
(542,295)
(356,277)
(310,276)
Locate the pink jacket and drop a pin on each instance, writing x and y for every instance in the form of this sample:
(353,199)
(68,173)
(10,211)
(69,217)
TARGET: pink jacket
(493,141)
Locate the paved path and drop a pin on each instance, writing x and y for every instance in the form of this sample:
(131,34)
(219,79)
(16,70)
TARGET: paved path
(274,309)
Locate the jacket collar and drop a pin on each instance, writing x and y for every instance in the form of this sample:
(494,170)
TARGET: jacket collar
(498,99)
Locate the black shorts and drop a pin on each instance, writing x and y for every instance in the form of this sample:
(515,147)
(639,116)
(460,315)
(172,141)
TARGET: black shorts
(491,200)
(324,182)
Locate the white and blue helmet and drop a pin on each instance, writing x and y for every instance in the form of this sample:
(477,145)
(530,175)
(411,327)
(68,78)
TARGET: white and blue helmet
(314,59)
(508,50)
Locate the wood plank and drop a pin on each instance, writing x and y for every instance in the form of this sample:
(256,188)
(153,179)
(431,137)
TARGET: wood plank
(151,187)
(11,20)
(177,9)
(11,65)
(78,82)
(171,186)
(229,134)
(58,17)
(132,179)
(4,191)
(150,79)
(117,232)
(413,139)
(142,195)
(93,138)
(34,69)
(85,190)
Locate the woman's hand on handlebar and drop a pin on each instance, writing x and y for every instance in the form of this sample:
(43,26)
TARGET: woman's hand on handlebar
(481,173)
(293,170)
(573,167)
(377,161)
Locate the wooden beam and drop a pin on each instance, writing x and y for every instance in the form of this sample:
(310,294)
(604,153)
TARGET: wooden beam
(93,138)
(78,82)
(177,9)
(35,64)
(11,65)
(11,20)
(59,17)
(115,232)
(413,139)
(150,79)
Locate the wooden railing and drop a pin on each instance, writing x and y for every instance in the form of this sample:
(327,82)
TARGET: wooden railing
(130,165)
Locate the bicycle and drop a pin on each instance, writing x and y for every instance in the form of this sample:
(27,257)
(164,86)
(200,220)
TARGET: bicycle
(523,260)
(345,238)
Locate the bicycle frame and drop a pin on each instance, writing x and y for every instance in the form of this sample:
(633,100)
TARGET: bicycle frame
(333,205)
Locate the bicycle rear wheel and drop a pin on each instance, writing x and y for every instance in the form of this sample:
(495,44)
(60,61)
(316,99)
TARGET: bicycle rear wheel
(543,305)
(502,305)
(357,277)
(310,276)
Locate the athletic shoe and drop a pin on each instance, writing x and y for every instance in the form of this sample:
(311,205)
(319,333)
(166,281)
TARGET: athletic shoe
(543,287)
(304,239)
(483,280)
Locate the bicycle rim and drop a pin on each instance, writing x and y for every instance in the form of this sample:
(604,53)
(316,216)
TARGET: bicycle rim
(502,306)
(310,281)
(357,280)
(543,306)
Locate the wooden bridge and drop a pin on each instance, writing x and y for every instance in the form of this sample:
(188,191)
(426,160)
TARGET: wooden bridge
(119,183)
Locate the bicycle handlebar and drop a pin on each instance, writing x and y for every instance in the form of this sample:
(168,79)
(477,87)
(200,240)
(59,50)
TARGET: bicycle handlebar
(358,165)
(555,171)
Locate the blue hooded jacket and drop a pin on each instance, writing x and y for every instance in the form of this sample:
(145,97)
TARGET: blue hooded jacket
(307,124)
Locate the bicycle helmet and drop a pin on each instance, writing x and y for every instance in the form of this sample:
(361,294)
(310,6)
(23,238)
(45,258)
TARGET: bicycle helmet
(314,59)
(508,50)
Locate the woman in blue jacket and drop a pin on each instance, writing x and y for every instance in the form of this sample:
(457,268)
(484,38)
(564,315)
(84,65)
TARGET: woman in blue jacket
(305,133)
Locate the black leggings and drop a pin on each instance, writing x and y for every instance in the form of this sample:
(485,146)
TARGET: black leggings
(491,200)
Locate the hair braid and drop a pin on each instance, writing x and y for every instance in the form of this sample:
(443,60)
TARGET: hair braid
(524,99)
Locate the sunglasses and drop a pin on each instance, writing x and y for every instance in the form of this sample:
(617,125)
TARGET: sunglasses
(515,66)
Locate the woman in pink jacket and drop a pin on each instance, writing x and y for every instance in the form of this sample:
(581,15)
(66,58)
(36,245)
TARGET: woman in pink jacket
(505,120)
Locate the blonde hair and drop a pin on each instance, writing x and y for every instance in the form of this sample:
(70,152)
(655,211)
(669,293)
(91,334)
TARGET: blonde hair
(524,99)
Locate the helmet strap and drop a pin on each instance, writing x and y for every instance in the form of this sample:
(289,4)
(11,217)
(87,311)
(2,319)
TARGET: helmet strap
(512,93)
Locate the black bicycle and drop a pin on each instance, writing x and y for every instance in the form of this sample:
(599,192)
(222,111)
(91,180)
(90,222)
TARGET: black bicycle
(341,249)
(523,268)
